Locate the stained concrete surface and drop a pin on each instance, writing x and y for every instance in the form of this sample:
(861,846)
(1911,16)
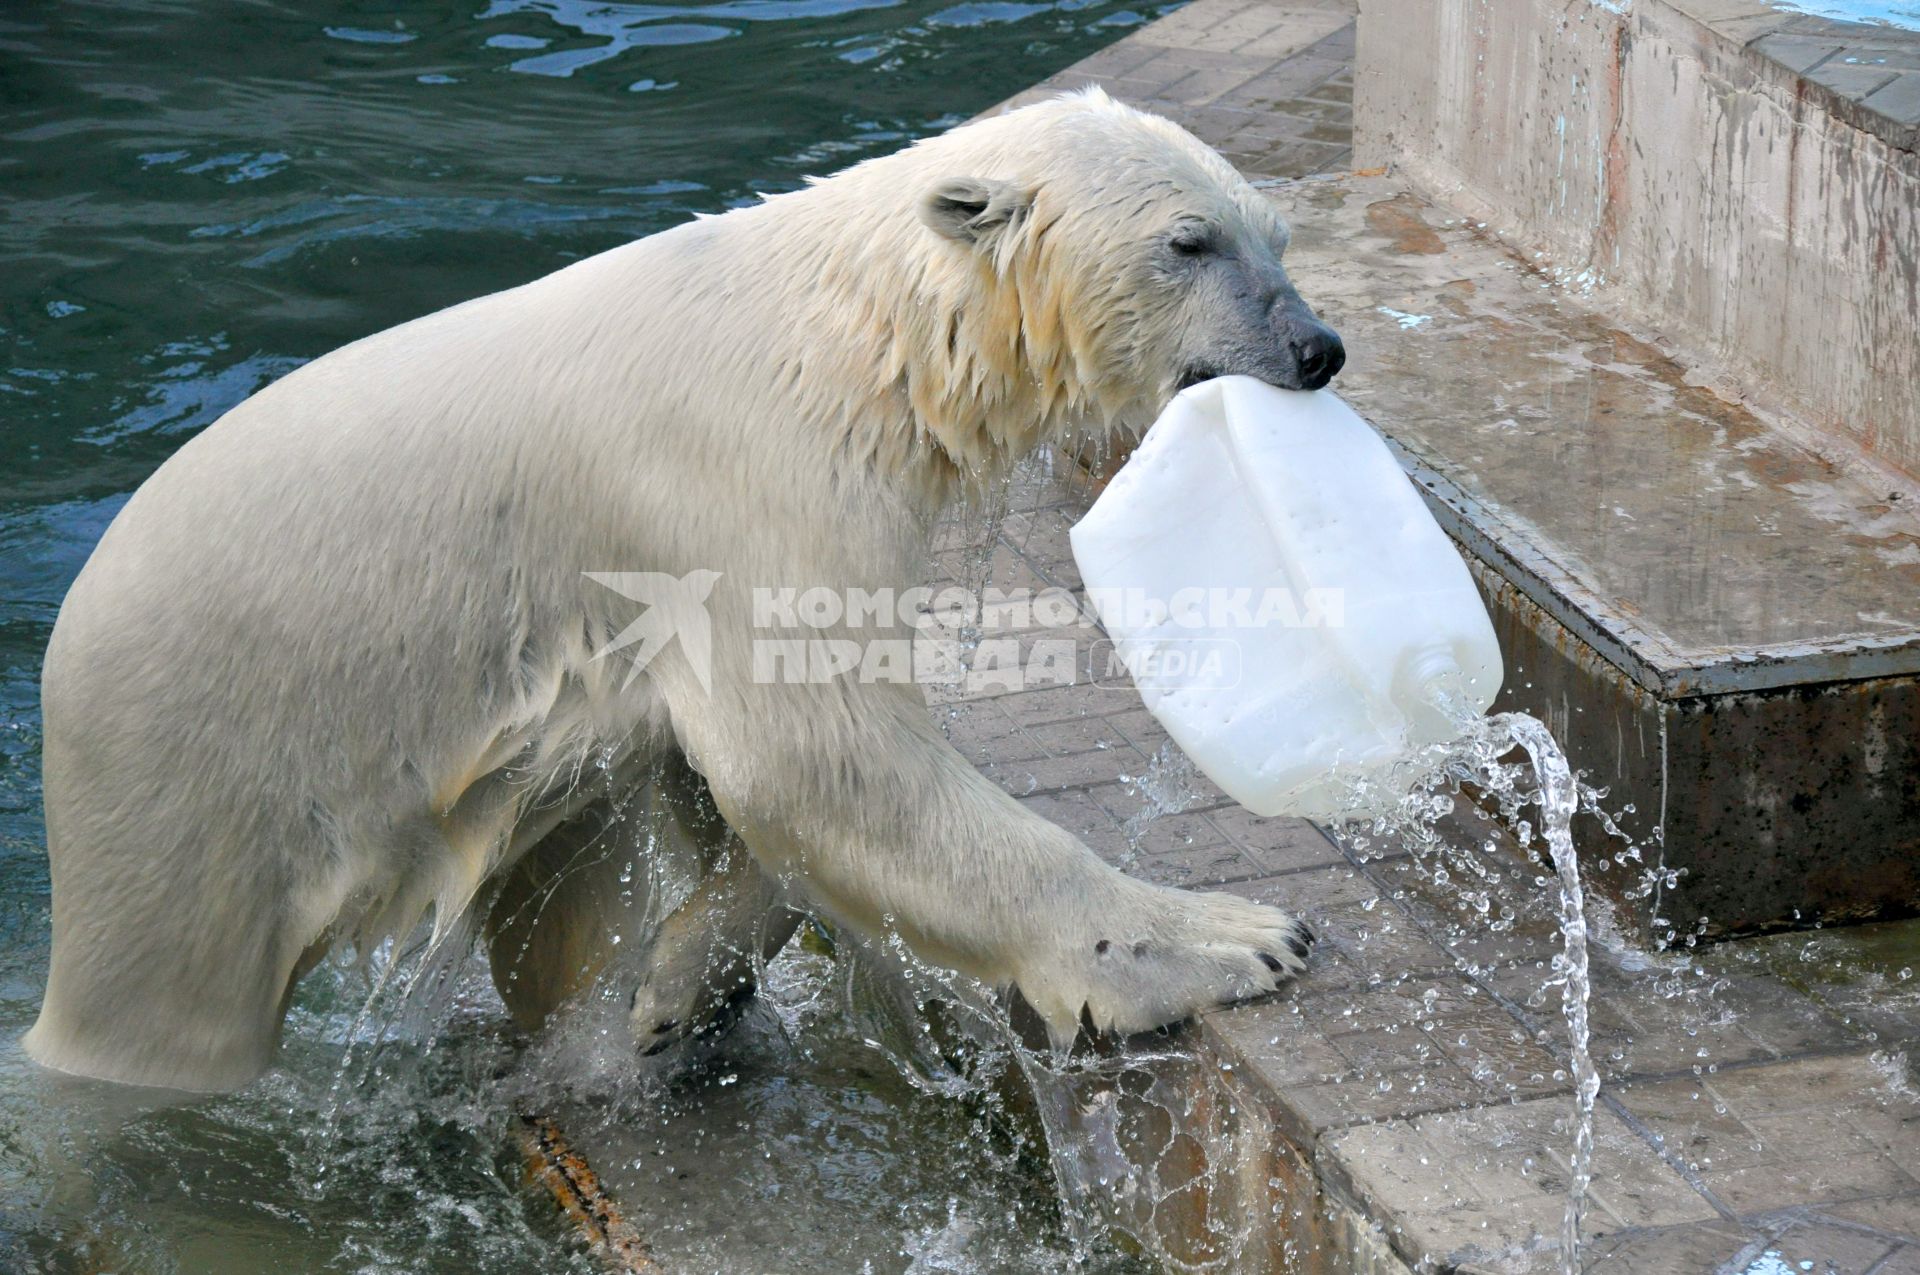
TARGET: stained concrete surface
(1746,179)
(1268,85)
(1718,553)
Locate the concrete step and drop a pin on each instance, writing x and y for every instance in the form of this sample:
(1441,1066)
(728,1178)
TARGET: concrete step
(1721,626)
(1269,85)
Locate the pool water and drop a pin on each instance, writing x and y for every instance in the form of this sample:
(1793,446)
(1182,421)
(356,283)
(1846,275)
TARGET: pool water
(200,195)
(1892,13)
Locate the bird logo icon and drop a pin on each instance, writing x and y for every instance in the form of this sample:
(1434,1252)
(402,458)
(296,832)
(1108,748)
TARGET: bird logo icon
(676,607)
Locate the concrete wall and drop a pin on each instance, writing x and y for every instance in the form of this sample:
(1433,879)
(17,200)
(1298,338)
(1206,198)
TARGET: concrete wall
(1778,808)
(1760,219)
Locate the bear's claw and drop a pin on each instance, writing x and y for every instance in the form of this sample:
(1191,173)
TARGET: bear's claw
(1161,956)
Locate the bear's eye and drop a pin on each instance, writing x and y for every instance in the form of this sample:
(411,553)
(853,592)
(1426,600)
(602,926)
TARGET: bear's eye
(1190,241)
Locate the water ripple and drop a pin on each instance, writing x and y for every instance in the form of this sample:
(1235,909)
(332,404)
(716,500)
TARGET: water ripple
(634,26)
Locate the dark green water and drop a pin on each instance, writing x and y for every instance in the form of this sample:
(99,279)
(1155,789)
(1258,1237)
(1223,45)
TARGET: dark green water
(195,197)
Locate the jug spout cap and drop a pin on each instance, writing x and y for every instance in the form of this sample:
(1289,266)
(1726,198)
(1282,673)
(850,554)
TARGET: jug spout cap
(1424,666)
(1431,690)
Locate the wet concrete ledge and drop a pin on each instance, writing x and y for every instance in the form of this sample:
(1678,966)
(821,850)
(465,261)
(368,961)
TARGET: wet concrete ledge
(1722,626)
(1405,1106)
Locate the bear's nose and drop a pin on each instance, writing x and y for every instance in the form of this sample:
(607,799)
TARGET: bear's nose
(1319,355)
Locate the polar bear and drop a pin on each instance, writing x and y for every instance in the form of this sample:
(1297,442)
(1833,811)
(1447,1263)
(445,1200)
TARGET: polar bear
(334,667)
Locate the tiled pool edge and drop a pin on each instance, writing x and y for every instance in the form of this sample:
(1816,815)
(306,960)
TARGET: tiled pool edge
(1404,1086)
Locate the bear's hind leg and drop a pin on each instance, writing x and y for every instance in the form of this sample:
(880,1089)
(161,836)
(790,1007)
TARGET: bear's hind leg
(704,962)
(598,884)
(562,910)
(172,980)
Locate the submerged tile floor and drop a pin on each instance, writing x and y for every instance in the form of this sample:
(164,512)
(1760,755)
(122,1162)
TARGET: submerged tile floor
(1759,1112)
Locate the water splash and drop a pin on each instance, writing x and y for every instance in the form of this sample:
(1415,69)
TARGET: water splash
(1511,767)
(1169,784)
(1418,794)
(1559,798)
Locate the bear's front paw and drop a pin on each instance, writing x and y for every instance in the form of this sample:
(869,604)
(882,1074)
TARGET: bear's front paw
(1166,959)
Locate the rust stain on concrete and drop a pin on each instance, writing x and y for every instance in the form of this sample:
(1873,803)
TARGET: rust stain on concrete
(1399,220)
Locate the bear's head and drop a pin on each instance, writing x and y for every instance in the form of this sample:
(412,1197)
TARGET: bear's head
(1124,258)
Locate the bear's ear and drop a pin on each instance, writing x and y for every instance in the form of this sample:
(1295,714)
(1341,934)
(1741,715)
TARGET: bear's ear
(970,209)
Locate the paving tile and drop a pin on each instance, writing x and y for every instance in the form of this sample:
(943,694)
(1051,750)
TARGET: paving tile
(1313,890)
(1796,1132)
(1168,833)
(1890,47)
(1713,13)
(1902,1261)
(1338,88)
(1279,845)
(1140,729)
(1677,1018)
(1679,1250)
(1858,82)
(1300,116)
(1352,1099)
(1082,816)
(1432,1021)
(1214,124)
(1865,977)
(1200,868)
(1499,1053)
(1052,704)
(1897,1215)
(1175,63)
(1292,160)
(961,533)
(1468,1185)
(1206,84)
(1521,922)
(1041,535)
(982,731)
(1427,1043)
(1083,735)
(1898,99)
(1116,59)
(1004,569)
(1372,947)
(1744,31)
(1139,89)
(1797,52)
(1232,34)
(1821,1249)
(1277,1042)
(1281,43)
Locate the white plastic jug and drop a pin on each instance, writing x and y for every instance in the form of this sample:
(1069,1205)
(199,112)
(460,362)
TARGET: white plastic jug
(1282,597)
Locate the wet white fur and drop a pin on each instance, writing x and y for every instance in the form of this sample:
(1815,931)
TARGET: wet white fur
(332,666)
